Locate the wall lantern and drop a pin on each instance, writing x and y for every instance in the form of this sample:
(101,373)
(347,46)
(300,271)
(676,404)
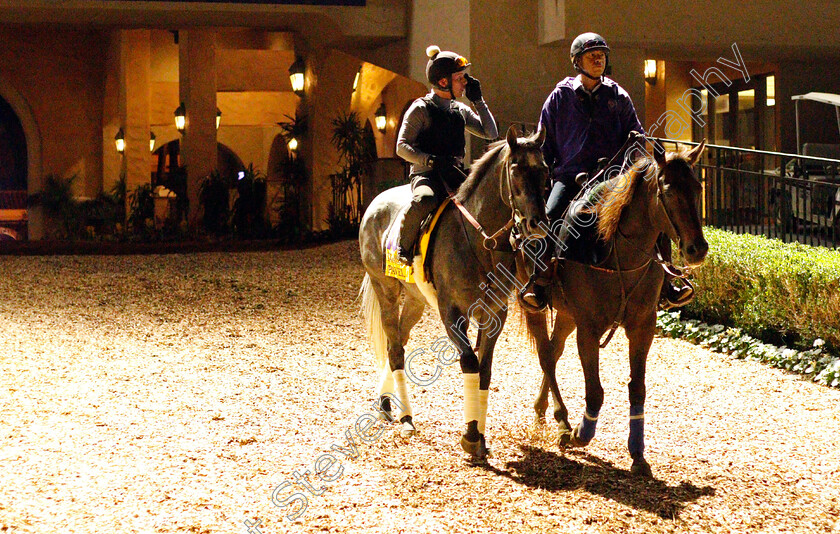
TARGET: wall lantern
(650,71)
(293,144)
(180,117)
(381,118)
(356,79)
(218,118)
(119,140)
(152,139)
(296,75)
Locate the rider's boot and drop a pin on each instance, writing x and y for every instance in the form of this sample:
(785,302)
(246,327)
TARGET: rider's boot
(410,227)
(534,296)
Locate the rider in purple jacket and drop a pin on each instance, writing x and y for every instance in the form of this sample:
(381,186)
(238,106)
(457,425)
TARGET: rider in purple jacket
(586,118)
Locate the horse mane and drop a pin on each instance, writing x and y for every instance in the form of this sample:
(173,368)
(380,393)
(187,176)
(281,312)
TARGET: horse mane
(480,167)
(497,153)
(610,206)
(616,195)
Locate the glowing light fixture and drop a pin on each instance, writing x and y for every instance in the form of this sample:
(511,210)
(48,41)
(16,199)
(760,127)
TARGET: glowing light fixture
(297,76)
(119,140)
(293,144)
(218,117)
(356,79)
(381,118)
(152,140)
(180,117)
(650,71)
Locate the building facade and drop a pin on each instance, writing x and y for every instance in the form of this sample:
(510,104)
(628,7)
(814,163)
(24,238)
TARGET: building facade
(75,74)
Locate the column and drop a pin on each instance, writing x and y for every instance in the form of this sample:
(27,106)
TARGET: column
(197,73)
(134,107)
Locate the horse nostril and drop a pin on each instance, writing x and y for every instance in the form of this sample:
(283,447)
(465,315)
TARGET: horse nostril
(691,250)
(534,227)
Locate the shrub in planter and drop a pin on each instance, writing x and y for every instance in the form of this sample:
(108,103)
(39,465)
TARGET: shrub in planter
(784,293)
(142,211)
(60,207)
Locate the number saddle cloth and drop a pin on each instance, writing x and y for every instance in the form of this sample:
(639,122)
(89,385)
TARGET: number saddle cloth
(420,270)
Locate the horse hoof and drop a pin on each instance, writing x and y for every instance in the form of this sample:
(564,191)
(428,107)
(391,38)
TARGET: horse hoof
(382,415)
(539,421)
(576,441)
(476,449)
(384,411)
(641,468)
(564,440)
(408,429)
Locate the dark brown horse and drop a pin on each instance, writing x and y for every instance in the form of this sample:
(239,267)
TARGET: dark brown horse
(656,195)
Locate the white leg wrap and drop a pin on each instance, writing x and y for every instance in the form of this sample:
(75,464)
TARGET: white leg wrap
(386,381)
(472,412)
(482,409)
(402,393)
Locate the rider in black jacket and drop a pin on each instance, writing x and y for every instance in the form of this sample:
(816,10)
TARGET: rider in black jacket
(432,138)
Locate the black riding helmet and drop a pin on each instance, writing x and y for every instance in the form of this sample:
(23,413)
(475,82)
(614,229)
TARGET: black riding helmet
(586,42)
(444,65)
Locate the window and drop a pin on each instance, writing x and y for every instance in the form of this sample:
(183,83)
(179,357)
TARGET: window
(741,115)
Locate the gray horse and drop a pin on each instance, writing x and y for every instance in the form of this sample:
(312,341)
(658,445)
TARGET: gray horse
(471,277)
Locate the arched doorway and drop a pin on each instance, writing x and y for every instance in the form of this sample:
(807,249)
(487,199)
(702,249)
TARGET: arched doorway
(14,167)
(166,162)
(168,171)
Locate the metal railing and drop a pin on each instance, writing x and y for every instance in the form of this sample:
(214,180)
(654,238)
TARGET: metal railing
(783,196)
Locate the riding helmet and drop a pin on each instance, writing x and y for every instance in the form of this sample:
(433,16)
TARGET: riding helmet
(586,42)
(443,64)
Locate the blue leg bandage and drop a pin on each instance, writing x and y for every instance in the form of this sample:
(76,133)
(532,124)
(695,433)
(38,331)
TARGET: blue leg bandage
(636,442)
(587,427)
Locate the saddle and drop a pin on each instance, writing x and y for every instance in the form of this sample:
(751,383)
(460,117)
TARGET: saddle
(577,239)
(419,270)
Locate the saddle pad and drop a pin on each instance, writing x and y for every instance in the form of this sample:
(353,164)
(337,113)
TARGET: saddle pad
(393,267)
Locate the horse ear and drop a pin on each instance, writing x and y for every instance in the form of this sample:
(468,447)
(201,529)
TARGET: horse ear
(512,135)
(694,155)
(540,136)
(658,152)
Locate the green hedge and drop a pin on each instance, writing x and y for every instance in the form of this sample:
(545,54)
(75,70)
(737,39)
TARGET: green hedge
(777,292)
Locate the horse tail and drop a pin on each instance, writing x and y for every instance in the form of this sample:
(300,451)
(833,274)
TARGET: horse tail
(372,315)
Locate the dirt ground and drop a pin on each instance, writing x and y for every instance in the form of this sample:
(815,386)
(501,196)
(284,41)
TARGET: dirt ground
(175,393)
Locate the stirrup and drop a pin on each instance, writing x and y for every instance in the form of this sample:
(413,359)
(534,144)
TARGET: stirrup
(680,297)
(525,298)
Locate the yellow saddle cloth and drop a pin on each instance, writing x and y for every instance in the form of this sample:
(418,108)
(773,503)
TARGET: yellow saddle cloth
(415,272)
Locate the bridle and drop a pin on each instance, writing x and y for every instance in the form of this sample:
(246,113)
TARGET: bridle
(653,257)
(660,199)
(515,223)
(656,255)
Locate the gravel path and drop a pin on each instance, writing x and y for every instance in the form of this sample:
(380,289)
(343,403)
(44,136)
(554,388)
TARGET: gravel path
(175,393)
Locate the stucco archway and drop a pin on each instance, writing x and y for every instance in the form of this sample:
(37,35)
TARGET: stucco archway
(34,177)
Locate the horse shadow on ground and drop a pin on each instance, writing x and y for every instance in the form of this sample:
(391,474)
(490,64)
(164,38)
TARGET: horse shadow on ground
(577,469)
